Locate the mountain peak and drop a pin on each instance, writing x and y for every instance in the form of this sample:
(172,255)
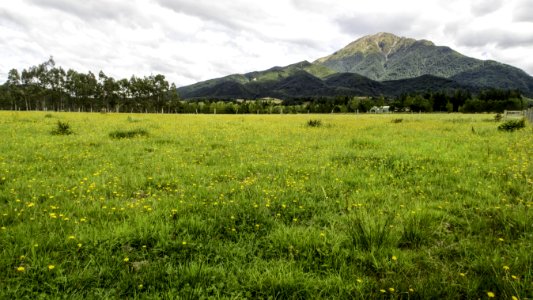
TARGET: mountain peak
(380,56)
(382,43)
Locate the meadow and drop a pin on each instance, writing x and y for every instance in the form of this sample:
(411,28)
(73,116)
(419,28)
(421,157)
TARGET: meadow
(417,206)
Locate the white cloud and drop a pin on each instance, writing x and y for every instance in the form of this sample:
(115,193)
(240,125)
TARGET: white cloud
(483,7)
(523,11)
(192,40)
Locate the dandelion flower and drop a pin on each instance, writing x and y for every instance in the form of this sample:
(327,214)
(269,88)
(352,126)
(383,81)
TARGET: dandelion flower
(51,267)
(394,258)
(411,290)
(79,245)
(71,237)
(491,294)
(501,239)
(462,274)
(184,243)
(21,269)
(506,268)
(391,290)
(359,280)
(126,259)
(514,298)
(383,291)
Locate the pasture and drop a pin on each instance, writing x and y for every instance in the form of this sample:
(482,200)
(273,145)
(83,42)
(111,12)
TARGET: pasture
(264,206)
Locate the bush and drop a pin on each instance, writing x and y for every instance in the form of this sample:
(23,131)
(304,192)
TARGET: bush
(314,123)
(127,134)
(397,120)
(512,125)
(62,128)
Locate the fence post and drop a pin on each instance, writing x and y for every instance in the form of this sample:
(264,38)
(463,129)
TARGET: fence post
(529,115)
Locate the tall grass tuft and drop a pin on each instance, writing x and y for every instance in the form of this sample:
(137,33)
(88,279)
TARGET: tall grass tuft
(128,134)
(314,123)
(370,233)
(62,128)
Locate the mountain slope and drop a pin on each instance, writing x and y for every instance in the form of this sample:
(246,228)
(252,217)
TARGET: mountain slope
(367,67)
(304,85)
(385,56)
(490,72)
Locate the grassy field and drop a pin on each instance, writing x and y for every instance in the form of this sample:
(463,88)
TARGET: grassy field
(264,206)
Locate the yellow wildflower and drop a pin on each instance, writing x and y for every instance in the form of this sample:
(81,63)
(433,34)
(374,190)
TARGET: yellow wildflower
(21,269)
(491,294)
(51,267)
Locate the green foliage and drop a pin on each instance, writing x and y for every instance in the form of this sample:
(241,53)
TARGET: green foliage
(512,125)
(62,128)
(397,120)
(128,134)
(498,117)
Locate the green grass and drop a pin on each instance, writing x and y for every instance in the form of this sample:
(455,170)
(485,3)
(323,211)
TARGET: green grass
(263,206)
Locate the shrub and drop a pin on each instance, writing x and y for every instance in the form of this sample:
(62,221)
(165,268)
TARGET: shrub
(48,116)
(397,120)
(62,128)
(512,125)
(127,134)
(314,123)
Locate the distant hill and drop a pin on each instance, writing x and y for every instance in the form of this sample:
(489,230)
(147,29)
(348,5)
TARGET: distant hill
(380,64)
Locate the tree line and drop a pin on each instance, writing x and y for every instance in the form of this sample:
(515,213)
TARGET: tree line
(47,87)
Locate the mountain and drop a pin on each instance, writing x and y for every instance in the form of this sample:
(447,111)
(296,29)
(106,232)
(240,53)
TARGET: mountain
(385,56)
(380,64)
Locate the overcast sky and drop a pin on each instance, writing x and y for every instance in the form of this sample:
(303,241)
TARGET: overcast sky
(194,40)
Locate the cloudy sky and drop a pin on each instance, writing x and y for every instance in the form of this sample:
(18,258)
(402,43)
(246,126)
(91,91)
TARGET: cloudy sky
(194,40)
